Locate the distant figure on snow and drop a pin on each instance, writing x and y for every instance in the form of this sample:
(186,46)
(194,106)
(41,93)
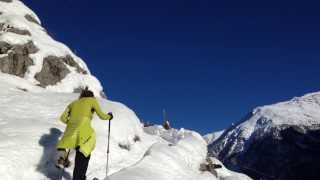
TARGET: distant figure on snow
(79,134)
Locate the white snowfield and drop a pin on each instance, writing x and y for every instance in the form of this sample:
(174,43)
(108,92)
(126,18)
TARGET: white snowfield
(13,15)
(30,130)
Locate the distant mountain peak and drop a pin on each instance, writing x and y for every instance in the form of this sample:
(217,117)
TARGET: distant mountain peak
(271,132)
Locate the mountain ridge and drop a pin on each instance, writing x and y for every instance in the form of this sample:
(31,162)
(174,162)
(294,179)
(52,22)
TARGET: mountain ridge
(286,126)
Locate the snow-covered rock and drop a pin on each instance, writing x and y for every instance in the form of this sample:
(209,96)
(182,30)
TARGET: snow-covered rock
(279,141)
(184,143)
(27,51)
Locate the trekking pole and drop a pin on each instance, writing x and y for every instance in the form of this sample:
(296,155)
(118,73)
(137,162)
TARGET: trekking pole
(108,150)
(64,164)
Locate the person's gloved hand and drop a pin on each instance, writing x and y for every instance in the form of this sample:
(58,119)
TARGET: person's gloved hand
(111,115)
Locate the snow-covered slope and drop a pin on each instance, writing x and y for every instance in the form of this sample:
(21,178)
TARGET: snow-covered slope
(30,129)
(27,51)
(268,138)
(211,137)
(186,148)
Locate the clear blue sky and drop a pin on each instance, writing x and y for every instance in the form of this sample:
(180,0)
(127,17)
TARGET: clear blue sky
(207,62)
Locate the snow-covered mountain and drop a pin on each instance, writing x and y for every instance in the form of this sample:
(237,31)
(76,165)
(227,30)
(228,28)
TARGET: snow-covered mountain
(280,141)
(27,51)
(211,137)
(39,77)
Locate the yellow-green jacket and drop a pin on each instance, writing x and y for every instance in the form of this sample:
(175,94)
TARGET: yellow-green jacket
(78,116)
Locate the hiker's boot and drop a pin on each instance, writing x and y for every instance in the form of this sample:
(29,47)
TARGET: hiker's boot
(62,160)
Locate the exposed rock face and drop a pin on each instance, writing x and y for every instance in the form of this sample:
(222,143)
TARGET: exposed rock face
(8,1)
(31,19)
(53,71)
(71,62)
(4,47)
(16,58)
(8,28)
(292,156)
(25,49)
(210,166)
(279,141)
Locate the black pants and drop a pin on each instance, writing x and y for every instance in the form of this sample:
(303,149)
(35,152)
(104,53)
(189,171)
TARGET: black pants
(81,166)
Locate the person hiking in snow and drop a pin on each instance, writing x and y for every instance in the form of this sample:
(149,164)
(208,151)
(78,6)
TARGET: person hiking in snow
(79,134)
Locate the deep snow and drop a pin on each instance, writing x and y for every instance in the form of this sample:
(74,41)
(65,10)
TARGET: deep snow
(30,129)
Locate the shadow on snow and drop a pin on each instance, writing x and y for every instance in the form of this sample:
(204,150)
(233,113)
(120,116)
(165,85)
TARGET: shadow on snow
(46,165)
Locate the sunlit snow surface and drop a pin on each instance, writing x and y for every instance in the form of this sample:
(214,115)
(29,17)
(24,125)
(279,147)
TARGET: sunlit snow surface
(30,129)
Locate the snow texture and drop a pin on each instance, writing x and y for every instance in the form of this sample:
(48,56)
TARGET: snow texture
(30,130)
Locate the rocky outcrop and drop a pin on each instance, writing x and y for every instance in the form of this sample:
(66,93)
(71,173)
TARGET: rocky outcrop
(210,166)
(53,70)
(293,155)
(15,59)
(71,62)
(4,47)
(31,19)
(8,1)
(26,49)
(51,62)
(8,28)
